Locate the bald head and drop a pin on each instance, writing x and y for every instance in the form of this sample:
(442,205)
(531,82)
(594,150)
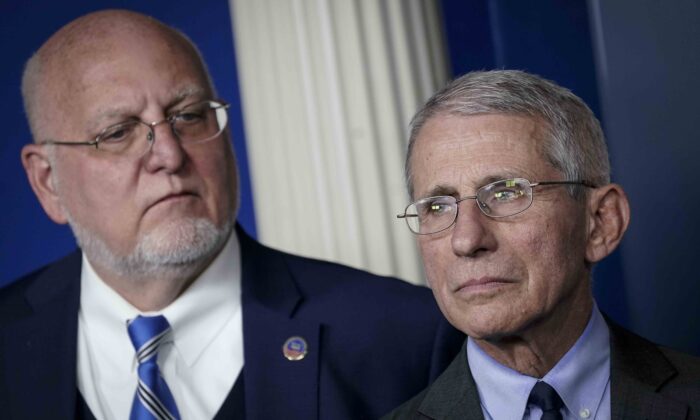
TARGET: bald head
(56,71)
(158,218)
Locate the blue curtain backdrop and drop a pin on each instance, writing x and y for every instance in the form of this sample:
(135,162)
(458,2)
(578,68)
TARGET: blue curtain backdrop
(635,63)
(28,239)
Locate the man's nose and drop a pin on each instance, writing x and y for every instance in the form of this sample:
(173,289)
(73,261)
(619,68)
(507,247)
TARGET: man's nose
(471,235)
(166,152)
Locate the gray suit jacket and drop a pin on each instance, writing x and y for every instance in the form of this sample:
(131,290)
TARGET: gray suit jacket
(647,382)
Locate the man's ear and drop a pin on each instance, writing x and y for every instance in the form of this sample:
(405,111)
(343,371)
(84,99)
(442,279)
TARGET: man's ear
(609,216)
(41,177)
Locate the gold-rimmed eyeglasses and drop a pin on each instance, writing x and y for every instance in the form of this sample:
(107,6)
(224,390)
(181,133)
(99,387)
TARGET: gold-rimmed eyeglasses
(503,198)
(195,123)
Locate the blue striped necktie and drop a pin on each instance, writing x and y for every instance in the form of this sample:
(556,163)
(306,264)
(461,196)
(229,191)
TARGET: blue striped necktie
(153,399)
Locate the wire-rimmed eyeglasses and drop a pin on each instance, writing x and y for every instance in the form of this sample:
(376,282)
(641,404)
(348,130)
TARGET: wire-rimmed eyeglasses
(195,123)
(503,198)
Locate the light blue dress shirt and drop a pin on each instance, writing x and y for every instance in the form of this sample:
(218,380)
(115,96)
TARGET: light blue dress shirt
(581,378)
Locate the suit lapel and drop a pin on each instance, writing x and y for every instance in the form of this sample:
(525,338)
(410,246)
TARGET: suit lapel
(39,357)
(638,371)
(274,386)
(453,395)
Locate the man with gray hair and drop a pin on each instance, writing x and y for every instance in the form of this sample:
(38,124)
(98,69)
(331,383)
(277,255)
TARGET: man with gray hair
(512,207)
(169,310)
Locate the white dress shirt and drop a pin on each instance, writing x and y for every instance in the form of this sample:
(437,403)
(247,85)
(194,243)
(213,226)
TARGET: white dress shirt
(581,378)
(200,360)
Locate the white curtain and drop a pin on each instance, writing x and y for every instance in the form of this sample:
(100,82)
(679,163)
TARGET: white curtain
(328,89)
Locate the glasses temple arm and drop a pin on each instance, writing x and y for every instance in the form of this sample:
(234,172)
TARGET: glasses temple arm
(69,143)
(582,182)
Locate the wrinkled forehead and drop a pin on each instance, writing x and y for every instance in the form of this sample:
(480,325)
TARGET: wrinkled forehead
(531,130)
(76,65)
(476,149)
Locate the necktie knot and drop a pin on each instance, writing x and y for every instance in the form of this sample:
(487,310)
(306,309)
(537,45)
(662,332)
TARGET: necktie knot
(546,397)
(147,333)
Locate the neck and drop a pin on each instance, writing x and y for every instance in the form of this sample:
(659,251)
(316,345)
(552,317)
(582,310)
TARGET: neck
(154,289)
(535,351)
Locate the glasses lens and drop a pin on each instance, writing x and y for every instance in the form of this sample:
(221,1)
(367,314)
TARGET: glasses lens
(431,214)
(200,122)
(124,139)
(505,198)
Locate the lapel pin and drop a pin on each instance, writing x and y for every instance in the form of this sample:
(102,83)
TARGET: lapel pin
(295,348)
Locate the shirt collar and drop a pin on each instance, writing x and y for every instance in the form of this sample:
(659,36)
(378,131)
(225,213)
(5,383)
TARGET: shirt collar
(580,377)
(503,392)
(195,317)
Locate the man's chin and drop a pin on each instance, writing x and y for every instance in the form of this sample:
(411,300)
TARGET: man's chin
(486,328)
(182,242)
(179,245)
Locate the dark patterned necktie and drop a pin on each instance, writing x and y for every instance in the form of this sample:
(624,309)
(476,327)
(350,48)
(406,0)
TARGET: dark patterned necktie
(153,399)
(546,398)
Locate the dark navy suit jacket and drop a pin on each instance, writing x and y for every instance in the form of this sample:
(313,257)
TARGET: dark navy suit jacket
(373,342)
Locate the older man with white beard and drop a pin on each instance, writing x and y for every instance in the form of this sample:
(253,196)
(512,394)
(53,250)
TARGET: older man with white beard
(167,311)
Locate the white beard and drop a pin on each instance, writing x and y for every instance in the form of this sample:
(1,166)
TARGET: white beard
(177,246)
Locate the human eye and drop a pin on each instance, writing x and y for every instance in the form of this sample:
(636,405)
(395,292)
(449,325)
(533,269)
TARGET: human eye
(507,194)
(117,133)
(435,206)
(189,117)
(192,114)
(506,191)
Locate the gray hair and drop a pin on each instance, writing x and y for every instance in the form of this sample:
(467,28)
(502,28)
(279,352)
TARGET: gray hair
(576,144)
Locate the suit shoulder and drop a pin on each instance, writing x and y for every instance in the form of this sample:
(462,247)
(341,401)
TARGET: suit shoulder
(315,273)
(685,385)
(627,341)
(674,374)
(13,303)
(688,365)
(409,409)
(17,288)
(377,304)
(13,296)
(315,276)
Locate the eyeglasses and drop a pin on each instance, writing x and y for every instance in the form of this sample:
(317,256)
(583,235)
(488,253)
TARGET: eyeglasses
(194,123)
(498,199)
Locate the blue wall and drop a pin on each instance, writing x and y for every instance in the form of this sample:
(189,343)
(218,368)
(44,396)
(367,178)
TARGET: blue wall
(648,60)
(28,239)
(635,63)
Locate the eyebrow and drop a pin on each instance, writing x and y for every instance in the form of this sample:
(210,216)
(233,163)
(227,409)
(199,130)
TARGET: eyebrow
(498,177)
(184,93)
(119,113)
(443,189)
